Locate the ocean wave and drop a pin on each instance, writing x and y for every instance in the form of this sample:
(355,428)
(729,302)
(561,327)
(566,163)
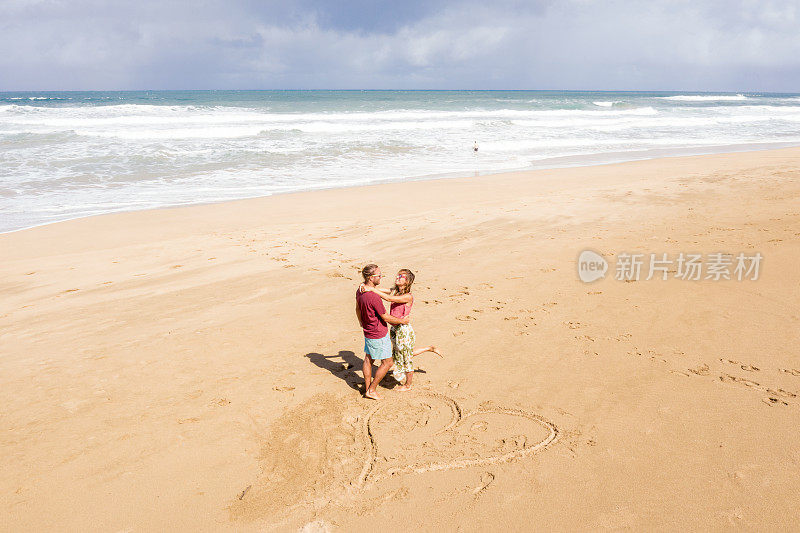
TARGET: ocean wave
(107,153)
(36,98)
(144,112)
(235,131)
(177,122)
(564,147)
(502,123)
(705,98)
(22,138)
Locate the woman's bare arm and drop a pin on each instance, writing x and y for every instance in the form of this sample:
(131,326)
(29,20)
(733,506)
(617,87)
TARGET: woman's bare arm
(362,288)
(397,299)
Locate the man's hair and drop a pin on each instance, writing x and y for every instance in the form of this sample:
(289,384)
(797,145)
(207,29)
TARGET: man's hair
(368,271)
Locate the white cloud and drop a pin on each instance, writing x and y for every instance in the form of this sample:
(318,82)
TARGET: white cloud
(573,44)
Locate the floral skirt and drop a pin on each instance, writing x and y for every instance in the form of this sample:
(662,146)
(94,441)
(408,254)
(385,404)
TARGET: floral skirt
(403,340)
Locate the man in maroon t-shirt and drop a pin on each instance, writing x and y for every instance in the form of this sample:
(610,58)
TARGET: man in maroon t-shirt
(373,317)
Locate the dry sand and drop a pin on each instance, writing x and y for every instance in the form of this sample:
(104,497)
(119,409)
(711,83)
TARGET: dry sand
(186,369)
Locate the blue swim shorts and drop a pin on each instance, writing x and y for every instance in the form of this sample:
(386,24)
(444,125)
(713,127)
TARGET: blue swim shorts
(378,349)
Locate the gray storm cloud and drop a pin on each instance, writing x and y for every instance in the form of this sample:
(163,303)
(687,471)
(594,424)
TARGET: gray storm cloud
(576,44)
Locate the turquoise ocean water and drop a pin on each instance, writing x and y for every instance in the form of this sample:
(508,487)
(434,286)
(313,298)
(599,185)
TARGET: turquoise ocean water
(71,154)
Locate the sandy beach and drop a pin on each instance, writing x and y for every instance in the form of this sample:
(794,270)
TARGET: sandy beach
(198,368)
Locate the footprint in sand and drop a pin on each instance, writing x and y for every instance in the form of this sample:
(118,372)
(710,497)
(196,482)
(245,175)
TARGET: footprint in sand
(743,366)
(727,378)
(773,393)
(465,318)
(781,392)
(771,400)
(701,370)
(486,479)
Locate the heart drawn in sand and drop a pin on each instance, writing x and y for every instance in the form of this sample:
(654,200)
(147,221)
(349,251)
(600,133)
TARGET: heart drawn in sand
(430,432)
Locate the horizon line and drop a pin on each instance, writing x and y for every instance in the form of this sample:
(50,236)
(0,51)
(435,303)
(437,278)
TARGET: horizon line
(739,91)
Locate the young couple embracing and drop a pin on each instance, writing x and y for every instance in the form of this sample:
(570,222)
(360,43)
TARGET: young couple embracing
(387,348)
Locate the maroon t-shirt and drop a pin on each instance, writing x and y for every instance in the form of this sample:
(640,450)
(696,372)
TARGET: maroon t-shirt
(370,308)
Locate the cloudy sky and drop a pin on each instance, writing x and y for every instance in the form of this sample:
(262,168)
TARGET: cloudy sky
(715,45)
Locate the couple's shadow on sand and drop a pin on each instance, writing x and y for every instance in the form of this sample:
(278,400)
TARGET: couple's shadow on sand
(346,366)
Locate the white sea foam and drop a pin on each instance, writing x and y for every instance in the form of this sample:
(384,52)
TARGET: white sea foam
(706,97)
(103,152)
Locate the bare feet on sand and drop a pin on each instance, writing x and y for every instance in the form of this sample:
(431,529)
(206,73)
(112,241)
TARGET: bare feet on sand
(403,388)
(373,395)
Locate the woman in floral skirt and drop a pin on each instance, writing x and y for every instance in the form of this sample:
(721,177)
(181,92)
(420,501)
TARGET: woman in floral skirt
(402,336)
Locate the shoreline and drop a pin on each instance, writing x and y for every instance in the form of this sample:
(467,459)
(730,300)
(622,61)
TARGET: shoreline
(200,368)
(579,161)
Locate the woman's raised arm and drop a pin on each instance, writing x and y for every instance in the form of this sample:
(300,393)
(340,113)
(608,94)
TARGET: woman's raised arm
(396,299)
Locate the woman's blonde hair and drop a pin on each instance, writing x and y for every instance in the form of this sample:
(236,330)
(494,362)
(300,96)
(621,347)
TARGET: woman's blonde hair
(409,282)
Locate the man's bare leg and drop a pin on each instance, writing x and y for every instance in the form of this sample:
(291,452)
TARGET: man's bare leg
(372,392)
(367,369)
